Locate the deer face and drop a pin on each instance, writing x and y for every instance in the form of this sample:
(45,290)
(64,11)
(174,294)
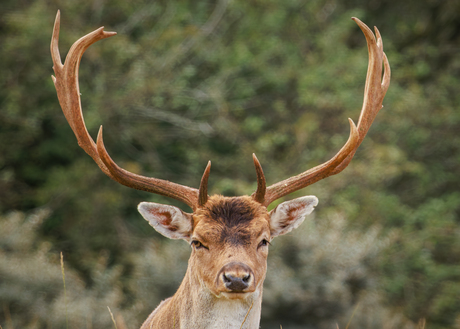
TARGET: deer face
(229,238)
(230,245)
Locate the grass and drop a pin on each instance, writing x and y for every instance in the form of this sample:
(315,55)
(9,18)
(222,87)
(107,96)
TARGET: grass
(352,315)
(113,319)
(65,297)
(250,308)
(421,324)
(65,291)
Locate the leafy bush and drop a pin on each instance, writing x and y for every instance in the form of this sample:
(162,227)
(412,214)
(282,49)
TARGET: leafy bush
(188,81)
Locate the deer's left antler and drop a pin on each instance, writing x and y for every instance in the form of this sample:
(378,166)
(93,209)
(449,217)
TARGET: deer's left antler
(374,92)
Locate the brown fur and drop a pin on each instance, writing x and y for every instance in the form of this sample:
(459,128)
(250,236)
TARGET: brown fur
(232,218)
(224,281)
(230,230)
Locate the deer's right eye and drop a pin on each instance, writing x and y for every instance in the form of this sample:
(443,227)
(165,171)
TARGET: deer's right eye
(197,244)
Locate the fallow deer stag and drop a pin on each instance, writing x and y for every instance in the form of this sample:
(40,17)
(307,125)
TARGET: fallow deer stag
(229,236)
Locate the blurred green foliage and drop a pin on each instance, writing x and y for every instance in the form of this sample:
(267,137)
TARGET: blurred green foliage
(184,82)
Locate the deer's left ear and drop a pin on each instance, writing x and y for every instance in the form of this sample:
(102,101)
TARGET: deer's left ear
(290,214)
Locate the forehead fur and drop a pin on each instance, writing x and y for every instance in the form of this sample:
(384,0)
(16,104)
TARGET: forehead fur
(234,217)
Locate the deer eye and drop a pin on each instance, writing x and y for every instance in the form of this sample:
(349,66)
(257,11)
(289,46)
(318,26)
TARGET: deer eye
(263,243)
(197,244)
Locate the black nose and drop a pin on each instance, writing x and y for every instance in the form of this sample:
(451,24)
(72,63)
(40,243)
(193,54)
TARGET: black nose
(236,277)
(236,284)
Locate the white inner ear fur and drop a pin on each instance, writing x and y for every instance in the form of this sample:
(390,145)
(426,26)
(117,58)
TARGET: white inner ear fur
(168,220)
(290,214)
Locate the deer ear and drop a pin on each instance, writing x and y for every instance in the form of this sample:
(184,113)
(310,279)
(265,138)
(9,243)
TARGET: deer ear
(168,220)
(290,214)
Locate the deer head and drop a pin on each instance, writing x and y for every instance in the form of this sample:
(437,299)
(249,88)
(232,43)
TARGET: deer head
(229,236)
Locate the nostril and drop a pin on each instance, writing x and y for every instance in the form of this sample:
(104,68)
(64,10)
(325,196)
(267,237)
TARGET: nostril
(246,278)
(226,279)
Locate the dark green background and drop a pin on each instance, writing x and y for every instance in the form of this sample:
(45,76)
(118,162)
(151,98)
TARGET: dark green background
(185,82)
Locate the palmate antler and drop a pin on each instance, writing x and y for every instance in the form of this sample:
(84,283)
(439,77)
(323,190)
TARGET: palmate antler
(66,83)
(374,92)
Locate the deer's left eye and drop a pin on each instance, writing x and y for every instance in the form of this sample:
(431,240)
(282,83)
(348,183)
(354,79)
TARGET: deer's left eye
(263,243)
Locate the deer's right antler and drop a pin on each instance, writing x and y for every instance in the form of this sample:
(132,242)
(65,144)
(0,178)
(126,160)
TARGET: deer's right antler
(68,91)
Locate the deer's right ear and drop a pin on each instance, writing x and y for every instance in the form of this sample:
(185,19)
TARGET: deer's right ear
(168,220)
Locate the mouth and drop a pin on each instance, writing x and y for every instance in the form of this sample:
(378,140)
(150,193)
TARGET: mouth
(235,295)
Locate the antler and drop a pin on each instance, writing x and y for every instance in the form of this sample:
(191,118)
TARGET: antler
(374,92)
(68,91)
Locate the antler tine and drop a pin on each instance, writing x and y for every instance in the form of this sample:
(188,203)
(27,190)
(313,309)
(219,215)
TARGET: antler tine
(374,92)
(376,86)
(259,194)
(68,91)
(203,193)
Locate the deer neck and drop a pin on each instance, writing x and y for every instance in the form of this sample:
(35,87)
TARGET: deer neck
(196,307)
